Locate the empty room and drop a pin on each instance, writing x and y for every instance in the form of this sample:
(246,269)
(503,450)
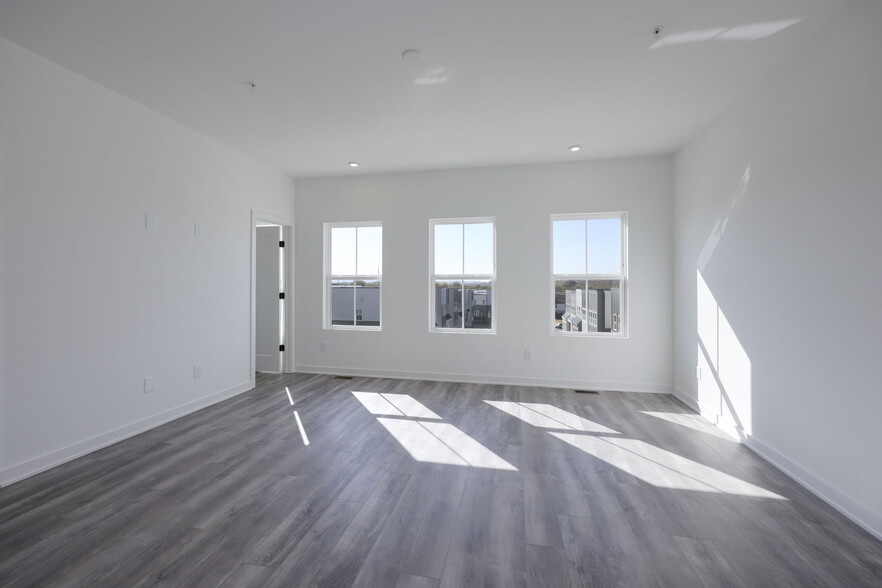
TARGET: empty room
(422,294)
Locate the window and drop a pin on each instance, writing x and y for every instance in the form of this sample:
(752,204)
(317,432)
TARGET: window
(353,274)
(589,275)
(463,275)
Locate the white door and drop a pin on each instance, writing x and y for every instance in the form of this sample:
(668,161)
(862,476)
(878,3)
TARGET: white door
(267,287)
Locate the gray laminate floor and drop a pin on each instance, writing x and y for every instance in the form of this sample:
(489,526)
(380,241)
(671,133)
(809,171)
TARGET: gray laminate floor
(423,484)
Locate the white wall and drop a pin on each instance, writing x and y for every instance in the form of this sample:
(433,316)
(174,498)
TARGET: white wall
(777,211)
(521,198)
(91,301)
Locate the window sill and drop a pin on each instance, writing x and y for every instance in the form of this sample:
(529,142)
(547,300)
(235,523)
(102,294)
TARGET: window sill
(464,331)
(589,335)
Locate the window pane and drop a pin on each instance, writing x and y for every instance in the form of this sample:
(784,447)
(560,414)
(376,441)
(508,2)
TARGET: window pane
(367,303)
(569,307)
(370,251)
(569,247)
(477,303)
(448,249)
(342,292)
(478,248)
(343,251)
(603,306)
(448,304)
(605,246)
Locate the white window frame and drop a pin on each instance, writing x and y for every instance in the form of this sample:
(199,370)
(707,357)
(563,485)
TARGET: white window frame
(623,277)
(328,277)
(462,277)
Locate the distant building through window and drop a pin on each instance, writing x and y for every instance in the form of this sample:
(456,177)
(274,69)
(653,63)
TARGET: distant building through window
(589,273)
(353,275)
(463,274)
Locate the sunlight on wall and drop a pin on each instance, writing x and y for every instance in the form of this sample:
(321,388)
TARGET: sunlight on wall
(546,416)
(716,235)
(748,32)
(709,393)
(725,383)
(735,377)
(660,467)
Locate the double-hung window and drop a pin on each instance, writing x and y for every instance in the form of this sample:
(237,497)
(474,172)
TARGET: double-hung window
(463,275)
(589,273)
(353,275)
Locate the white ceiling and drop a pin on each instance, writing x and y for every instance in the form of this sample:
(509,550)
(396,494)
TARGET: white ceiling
(500,81)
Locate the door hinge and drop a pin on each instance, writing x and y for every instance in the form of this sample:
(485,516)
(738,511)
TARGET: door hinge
(281,347)
(281,295)
(281,243)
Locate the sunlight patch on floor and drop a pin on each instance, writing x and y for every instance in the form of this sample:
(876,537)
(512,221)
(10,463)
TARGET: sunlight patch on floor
(546,416)
(442,443)
(409,406)
(301,429)
(661,468)
(394,405)
(691,421)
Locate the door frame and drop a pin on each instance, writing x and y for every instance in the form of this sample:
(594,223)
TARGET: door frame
(259,216)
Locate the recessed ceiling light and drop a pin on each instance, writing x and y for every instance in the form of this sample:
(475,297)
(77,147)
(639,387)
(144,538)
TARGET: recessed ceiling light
(575,148)
(353,164)
(412,55)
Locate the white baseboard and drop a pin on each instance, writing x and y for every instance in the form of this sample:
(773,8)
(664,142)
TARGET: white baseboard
(857,512)
(686,399)
(30,467)
(710,413)
(486,379)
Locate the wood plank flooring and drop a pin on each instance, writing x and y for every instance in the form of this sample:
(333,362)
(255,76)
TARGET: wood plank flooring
(427,484)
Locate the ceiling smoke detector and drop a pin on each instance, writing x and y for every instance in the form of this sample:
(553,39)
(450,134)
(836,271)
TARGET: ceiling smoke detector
(656,31)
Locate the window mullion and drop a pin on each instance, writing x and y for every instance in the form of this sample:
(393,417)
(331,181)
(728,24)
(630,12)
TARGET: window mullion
(586,246)
(462,283)
(355,285)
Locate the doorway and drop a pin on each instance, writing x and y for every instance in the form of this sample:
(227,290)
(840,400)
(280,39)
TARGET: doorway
(271,294)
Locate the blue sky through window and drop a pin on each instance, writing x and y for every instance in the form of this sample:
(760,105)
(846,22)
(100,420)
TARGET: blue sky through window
(587,246)
(369,244)
(464,248)
(448,249)
(604,246)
